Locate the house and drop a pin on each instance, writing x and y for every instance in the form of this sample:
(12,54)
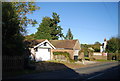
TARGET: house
(103,46)
(71,46)
(42,49)
(102,54)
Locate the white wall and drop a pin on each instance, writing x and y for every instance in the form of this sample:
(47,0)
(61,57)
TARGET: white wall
(43,52)
(47,46)
(76,52)
(95,53)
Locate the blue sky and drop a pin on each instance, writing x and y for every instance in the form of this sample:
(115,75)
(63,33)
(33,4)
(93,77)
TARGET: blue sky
(88,21)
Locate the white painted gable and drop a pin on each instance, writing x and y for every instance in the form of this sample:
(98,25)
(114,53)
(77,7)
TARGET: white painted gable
(43,52)
(43,45)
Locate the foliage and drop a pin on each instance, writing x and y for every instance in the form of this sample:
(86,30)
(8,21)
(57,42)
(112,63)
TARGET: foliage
(66,54)
(22,9)
(86,58)
(69,35)
(13,21)
(113,45)
(96,46)
(32,36)
(44,29)
(11,36)
(49,28)
(84,47)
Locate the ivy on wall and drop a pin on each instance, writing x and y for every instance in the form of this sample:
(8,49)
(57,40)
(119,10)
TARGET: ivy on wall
(66,54)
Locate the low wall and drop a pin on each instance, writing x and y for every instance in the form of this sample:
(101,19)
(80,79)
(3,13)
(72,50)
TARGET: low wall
(100,57)
(71,52)
(81,55)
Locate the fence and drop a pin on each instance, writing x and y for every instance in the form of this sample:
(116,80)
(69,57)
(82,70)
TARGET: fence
(12,63)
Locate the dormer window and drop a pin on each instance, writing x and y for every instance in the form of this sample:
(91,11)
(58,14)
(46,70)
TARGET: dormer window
(45,44)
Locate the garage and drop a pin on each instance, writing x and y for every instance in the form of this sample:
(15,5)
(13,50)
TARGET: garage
(43,54)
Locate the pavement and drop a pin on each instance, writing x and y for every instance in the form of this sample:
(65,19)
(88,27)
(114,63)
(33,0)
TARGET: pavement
(105,70)
(86,62)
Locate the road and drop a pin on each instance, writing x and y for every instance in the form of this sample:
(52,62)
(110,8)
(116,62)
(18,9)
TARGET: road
(102,71)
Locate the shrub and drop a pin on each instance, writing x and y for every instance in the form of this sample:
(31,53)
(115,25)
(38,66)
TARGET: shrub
(86,58)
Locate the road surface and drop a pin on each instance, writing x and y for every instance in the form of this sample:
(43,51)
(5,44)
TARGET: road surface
(102,71)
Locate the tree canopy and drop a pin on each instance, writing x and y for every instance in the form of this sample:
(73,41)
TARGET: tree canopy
(113,45)
(12,28)
(22,9)
(49,28)
(69,35)
(96,46)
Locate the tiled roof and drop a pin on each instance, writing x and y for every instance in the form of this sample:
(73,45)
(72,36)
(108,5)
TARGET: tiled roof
(33,42)
(68,44)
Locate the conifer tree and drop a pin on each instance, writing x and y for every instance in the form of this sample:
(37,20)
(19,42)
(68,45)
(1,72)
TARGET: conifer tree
(49,28)
(69,35)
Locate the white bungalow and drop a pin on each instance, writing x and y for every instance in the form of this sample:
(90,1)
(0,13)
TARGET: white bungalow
(42,49)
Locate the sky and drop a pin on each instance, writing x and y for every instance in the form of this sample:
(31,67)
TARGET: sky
(88,21)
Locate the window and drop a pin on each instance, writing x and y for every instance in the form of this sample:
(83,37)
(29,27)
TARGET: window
(75,58)
(48,49)
(45,44)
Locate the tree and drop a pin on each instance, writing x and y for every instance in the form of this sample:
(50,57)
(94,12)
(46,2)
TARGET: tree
(44,29)
(56,31)
(113,45)
(69,35)
(98,43)
(12,28)
(85,47)
(96,46)
(22,9)
(49,28)
(11,36)
(32,36)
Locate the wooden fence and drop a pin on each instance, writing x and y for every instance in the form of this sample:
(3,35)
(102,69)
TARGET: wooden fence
(12,63)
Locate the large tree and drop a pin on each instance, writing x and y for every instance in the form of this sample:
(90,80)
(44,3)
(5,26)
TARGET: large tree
(96,46)
(69,35)
(49,28)
(22,9)
(44,30)
(113,45)
(13,24)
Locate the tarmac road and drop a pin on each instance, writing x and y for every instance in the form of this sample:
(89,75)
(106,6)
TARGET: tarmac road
(102,71)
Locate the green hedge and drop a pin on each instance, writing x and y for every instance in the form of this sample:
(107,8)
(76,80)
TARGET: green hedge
(86,58)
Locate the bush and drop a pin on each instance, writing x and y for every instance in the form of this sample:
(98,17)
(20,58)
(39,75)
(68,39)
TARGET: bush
(86,58)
